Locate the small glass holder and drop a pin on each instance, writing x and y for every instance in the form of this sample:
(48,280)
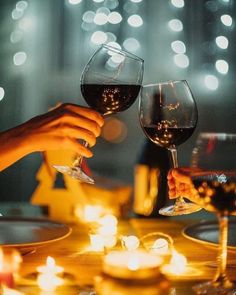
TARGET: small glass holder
(160,244)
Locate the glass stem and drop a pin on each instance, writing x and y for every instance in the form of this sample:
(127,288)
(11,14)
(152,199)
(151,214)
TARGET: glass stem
(179,201)
(220,276)
(78,160)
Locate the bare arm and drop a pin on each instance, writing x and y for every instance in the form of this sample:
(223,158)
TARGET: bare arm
(59,128)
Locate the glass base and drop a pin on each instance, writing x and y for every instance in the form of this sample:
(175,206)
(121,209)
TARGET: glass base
(215,288)
(74,172)
(180,209)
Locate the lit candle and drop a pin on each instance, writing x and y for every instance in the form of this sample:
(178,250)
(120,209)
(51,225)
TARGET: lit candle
(48,279)
(10,260)
(177,265)
(130,243)
(131,265)
(50,267)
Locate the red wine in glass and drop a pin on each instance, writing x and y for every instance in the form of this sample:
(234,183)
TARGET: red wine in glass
(110,83)
(214,178)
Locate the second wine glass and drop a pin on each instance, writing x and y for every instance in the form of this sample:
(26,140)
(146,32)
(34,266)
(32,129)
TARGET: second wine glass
(168,116)
(110,83)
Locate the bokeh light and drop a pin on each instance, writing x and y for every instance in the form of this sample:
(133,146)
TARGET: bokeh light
(135,20)
(131,44)
(2,93)
(222,66)
(181,60)
(114,130)
(19,58)
(222,42)
(114,17)
(178,46)
(226,20)
(211,82)
(175,25)
(99,37)
(177,3)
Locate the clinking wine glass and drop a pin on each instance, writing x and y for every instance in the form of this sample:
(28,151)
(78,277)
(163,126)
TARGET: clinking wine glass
(110,83)
(168,116)
(214,177)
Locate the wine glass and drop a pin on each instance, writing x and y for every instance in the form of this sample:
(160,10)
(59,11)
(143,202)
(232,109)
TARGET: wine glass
(168,116)
(110,83)
(214,178)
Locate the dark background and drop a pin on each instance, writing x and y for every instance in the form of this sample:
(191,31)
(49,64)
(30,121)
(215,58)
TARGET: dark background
(57,43)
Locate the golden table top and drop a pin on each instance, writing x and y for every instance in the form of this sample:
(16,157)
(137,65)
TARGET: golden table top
(71,253)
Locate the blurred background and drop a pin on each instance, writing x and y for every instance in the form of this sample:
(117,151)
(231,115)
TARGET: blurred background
(45,45)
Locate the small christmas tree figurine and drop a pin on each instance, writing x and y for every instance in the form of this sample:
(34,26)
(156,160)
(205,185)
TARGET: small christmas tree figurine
(59,193)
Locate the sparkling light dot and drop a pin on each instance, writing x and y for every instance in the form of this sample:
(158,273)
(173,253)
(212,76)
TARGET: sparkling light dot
(178,46)
(226,20)
(2,93)
(98,1)
(131,44)
(222,42)
(114,17)
(100,19)
(99,37)
(19,58)
(175,25)
(211,82)
(136,1)
(88,16)
(181,60)
(74,2)
(135,20)
(178,3)
(222,66)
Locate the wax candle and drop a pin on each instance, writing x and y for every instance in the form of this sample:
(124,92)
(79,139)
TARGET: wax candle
(10,260)
(131,264)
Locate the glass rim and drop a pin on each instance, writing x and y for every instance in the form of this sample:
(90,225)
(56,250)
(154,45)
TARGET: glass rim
(164,83)
(122,51)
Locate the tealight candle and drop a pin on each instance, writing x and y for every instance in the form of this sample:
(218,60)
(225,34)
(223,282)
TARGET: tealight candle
(131,265)
(50,267)
(177,265)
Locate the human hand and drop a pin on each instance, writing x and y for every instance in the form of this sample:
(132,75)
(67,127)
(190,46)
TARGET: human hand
(59,128)
(180,185)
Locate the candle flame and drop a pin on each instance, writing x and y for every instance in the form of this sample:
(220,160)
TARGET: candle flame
(50,262)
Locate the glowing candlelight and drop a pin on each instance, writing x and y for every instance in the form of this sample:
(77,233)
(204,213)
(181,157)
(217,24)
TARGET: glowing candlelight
(178,264)
(131,265)
(131,243)
(92,213)
(50,267)
(10,260)
(96,242)
(160,246)
(49,282)
(8,291)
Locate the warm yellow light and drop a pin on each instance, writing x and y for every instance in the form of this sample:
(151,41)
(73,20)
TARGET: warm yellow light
(8,291)
(50,267)
(133,262)
(92,213)
(131,243)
